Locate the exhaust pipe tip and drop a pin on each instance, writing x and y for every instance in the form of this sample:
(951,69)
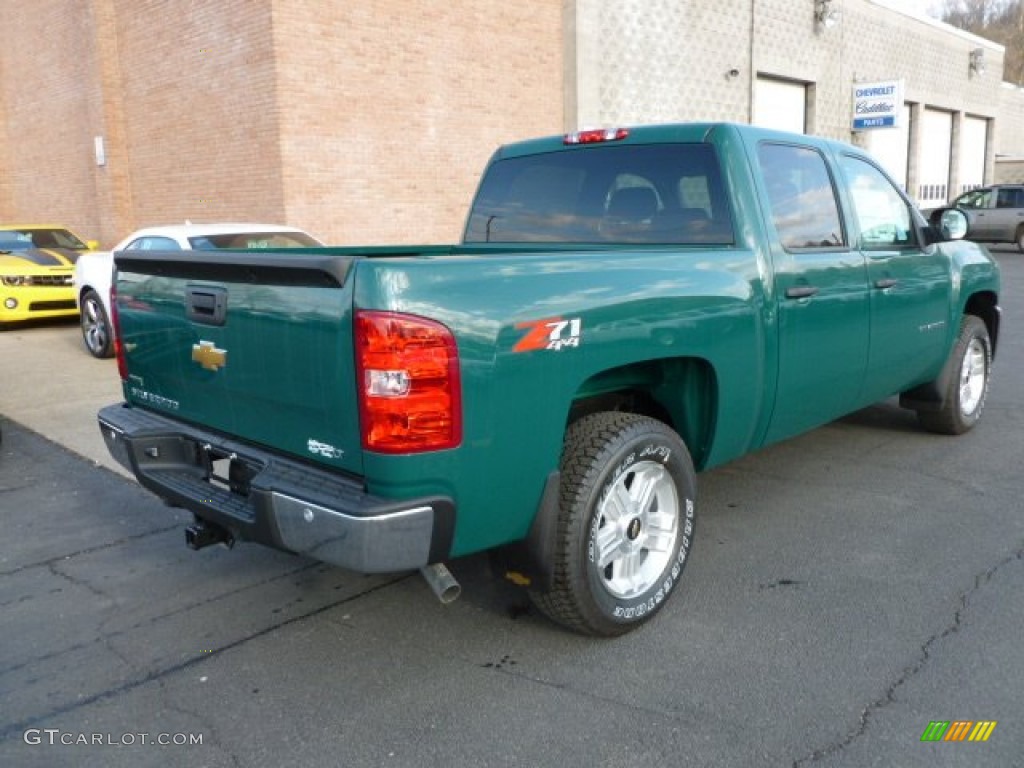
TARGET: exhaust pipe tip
(441,581)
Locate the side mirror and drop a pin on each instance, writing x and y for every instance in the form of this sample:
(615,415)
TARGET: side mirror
(948,224)
(94,245)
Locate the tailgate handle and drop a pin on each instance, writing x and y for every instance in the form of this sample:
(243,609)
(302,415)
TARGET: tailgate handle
(206,304)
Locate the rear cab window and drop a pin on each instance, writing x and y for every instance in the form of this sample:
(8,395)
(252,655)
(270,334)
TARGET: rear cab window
(664,194)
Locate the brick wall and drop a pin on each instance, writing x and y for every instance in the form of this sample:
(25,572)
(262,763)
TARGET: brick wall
(198,112)
(390,109)
(46,149)
(370,121)
(362,122)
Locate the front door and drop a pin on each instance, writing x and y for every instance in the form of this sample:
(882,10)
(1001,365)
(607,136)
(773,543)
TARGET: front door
(909,285)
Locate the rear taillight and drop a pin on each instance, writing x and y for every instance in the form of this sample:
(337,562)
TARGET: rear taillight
(410,396)
(115,324)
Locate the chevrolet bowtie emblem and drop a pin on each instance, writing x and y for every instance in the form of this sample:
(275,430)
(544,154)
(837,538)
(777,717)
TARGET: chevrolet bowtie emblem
(209,356)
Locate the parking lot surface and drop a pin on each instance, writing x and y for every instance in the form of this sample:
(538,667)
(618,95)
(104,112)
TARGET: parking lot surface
(847,589)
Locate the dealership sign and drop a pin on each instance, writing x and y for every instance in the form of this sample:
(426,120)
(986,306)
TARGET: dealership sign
(877,105)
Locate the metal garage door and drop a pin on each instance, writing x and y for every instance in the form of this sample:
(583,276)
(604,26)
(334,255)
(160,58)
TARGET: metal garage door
(889,146)
(933,160)
(973,144)
(780,104)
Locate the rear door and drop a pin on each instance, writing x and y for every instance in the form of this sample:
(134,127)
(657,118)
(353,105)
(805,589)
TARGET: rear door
(820,288)
(1008,215)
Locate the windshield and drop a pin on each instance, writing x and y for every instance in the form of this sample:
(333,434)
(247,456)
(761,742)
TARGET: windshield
(976,198)
(253,240)
(650,193)
(39,237)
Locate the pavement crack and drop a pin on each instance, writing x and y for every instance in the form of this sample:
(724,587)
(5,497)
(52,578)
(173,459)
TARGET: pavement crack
(913,669)
(501,668)
(9,730)
(52,567)
(215,735)
(89,550)
(105,638)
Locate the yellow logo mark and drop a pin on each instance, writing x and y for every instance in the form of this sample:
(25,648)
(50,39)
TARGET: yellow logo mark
(982,730)
(209,356)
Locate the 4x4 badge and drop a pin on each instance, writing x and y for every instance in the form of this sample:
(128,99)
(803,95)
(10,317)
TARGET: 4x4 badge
(209,356)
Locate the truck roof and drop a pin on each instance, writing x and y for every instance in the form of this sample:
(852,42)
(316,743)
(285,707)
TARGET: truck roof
(652,134)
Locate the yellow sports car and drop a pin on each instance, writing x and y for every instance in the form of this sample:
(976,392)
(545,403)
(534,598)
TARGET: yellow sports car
(37,268)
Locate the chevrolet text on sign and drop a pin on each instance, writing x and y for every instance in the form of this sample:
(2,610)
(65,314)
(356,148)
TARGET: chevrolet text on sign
(877,105)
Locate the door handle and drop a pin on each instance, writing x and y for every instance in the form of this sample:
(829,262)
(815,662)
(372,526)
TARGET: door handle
(801,291)
(884,283)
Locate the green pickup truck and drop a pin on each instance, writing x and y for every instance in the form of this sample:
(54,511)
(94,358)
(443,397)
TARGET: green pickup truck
(627,306)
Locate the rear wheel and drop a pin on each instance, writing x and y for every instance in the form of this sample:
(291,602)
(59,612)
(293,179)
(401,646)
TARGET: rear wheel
(96,330)
(967,386)
(625,523)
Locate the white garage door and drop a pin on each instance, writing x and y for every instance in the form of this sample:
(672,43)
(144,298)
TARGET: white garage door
(889,146)
(780,104)
(973,138)
(936,142)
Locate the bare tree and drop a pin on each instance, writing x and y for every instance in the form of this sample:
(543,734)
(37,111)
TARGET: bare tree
(1001,21)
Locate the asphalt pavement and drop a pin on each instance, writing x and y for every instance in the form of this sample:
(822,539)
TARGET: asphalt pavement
(847,589)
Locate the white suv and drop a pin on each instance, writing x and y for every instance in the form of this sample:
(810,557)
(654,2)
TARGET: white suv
(93,271)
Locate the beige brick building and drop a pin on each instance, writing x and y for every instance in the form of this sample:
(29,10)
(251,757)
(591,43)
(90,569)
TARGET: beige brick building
(370,121)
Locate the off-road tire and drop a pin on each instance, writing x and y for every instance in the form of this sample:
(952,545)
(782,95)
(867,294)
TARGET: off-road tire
(970,365)
(626,520)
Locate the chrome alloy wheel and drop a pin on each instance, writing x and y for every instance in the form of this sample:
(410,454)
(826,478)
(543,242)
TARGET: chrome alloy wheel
(638,530)
(95,330)
(973,374)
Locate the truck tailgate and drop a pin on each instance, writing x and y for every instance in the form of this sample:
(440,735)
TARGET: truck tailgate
(256,345)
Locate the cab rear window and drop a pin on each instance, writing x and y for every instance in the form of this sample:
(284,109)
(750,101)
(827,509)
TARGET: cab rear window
(653,194)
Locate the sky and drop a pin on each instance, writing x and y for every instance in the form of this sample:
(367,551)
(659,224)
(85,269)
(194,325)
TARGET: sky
(921,6)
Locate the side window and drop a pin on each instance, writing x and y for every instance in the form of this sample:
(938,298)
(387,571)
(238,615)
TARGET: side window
(884,216)
(978,198)
(801,196)
(1010,197)
(156,244)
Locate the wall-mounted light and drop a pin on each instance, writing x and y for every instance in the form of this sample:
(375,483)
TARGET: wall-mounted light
(826,14)
(976,62)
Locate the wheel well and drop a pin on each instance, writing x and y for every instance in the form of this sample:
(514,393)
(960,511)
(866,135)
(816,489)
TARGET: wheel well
(680,392)
(984,305)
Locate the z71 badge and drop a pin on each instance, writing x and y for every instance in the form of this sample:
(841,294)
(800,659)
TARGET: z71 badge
(550,333)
